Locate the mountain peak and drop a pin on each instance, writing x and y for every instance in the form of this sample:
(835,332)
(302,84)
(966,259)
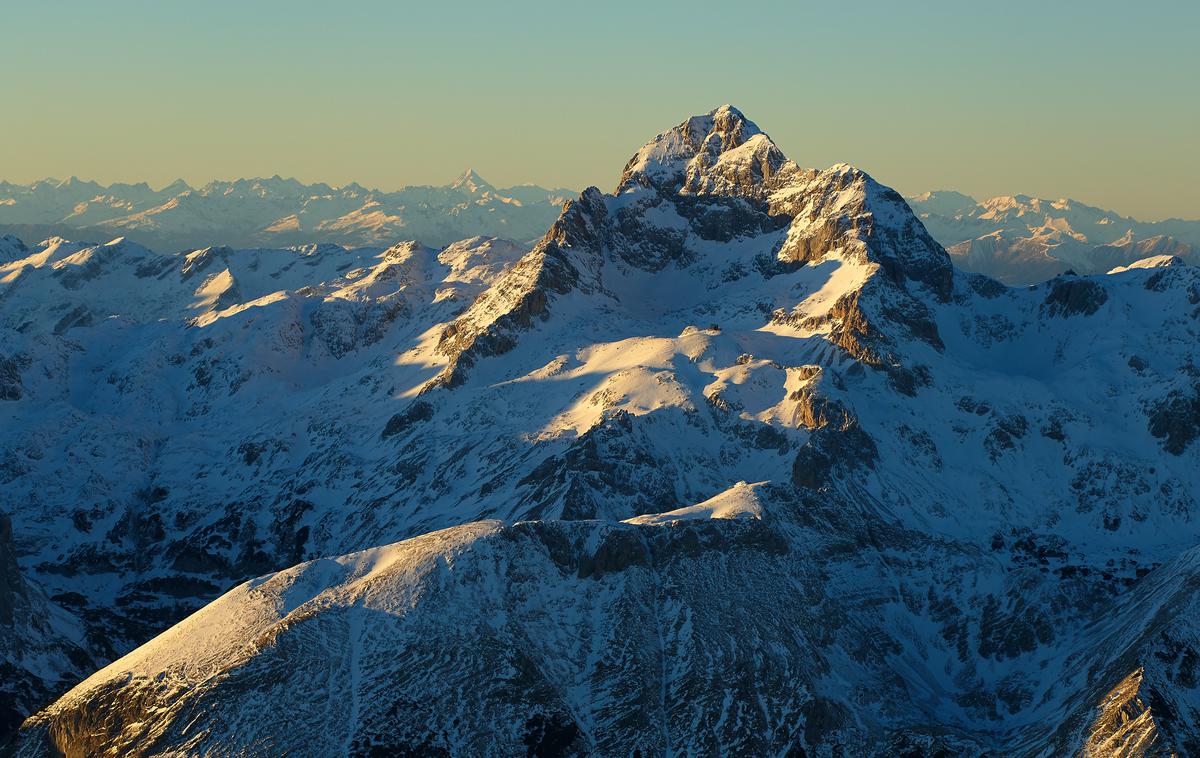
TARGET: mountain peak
(720,152)
(74,182)
(945,202)
(175,187)
(471,181)
(684,197)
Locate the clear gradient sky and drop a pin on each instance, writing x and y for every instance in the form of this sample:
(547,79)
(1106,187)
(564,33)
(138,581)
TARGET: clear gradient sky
(1098,100)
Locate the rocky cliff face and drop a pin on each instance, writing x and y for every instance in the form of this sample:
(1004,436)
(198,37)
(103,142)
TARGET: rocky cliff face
(972,516)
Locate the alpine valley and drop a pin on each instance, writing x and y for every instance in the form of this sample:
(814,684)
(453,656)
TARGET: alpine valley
(733,461)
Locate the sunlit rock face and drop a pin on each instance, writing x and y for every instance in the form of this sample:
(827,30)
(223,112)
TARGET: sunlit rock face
(731,461)
(1125,725)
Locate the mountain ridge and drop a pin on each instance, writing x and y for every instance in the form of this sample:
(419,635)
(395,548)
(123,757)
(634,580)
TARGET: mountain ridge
(1021,239)
(276,212)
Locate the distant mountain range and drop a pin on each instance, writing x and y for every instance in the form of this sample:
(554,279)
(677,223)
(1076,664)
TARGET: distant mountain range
(1016,239)
(1021,239)
(732,461)
(276,212)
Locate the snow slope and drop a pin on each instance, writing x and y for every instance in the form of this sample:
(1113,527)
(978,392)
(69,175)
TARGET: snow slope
(972,527)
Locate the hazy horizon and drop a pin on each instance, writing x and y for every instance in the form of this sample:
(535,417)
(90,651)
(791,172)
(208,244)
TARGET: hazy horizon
(1044,101)
(199,184)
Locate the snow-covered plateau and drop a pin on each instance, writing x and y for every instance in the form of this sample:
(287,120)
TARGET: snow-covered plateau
(733,461)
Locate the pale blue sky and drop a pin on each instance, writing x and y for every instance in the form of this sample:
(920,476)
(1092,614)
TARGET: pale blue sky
(1093,100)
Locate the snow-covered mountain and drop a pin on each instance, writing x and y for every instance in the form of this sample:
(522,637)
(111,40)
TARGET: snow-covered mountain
(277,212)
(1025,240)
(733,461)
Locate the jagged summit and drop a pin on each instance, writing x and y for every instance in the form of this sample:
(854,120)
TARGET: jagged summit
(720,152)
(472,182)
(708,203)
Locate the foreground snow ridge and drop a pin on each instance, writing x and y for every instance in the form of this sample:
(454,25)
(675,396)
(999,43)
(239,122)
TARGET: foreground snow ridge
(732,461)
(739,501)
